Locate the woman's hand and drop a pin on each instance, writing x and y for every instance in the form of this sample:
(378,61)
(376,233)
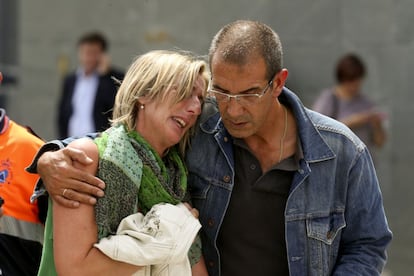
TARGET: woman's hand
(193,211)
(66,184)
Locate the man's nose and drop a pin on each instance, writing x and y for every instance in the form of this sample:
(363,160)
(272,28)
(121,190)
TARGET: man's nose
(234,108)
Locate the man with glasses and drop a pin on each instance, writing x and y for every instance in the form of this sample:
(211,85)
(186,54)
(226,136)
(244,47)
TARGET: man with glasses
(281,190)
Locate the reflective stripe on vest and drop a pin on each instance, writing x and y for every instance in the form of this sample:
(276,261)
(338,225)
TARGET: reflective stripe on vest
(21,229)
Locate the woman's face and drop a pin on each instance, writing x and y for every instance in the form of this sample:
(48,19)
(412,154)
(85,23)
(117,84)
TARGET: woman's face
(163,124)
(353,87)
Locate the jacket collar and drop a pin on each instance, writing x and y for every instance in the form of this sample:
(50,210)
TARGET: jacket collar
(313,145)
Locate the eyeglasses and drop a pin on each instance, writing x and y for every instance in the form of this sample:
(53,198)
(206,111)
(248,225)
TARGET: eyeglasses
(242,99)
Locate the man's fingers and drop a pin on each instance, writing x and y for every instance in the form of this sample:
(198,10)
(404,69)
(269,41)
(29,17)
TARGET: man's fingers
(86,182)
(65,202)
(72,195)
(75,186)
(77,155)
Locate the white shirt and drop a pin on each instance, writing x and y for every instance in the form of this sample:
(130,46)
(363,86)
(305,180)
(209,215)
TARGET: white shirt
(83,101)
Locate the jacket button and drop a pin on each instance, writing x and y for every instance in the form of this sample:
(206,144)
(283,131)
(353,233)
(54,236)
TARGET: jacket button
(226,178)
(210,222)
(211,263)
(226,139)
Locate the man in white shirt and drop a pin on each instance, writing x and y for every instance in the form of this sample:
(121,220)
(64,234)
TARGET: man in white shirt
(89,93)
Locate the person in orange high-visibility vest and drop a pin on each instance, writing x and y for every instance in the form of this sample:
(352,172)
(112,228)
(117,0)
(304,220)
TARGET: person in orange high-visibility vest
(21,222)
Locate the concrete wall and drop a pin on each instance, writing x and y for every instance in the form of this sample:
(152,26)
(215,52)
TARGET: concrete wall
(314,34)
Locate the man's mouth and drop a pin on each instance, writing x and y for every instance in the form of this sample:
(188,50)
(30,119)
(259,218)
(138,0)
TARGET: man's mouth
(237,123)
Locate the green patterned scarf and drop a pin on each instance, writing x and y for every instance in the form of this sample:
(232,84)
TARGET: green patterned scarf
(136,177)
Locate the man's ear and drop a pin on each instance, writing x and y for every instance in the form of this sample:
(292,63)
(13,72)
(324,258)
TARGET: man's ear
(279,82)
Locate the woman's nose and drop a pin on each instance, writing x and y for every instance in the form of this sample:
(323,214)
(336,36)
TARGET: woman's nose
(194,105)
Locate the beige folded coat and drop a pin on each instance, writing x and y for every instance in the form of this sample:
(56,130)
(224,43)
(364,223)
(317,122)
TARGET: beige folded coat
(159,241)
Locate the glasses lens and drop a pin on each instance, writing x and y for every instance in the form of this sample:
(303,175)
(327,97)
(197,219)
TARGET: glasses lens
(244,100)
(219,96)
(247,100)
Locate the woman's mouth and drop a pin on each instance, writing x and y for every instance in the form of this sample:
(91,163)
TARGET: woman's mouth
(181,123)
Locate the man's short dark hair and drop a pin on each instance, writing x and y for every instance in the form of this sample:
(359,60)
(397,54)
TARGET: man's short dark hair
(94,38)
(242,40)
(349,68)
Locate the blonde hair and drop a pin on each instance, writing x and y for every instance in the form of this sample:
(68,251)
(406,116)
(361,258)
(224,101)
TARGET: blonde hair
(153,75)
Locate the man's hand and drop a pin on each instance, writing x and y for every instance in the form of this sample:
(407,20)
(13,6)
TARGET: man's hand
(66,184)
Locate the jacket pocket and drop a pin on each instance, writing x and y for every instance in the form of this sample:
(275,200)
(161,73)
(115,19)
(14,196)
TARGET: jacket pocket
(324,233)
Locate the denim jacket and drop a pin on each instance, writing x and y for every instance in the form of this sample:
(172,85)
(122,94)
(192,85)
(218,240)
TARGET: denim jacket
(334,217)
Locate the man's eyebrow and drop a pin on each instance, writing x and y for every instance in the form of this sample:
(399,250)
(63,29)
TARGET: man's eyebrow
(215,86)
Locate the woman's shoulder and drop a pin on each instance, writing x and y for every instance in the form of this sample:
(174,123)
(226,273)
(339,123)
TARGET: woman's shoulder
(85,144)
(88,147)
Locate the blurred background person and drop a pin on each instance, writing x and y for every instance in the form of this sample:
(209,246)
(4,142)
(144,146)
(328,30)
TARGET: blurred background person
(88,93)
(345,102)
(21,223)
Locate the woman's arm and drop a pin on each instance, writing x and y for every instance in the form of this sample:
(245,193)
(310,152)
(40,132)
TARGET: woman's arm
(369,117)
(358,119)
(75,232)
(379,136)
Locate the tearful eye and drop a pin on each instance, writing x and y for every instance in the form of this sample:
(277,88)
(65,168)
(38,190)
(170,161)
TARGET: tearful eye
(201,99)
(198,96)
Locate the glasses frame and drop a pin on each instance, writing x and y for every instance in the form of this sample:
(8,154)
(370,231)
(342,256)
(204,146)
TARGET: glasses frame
(237,97)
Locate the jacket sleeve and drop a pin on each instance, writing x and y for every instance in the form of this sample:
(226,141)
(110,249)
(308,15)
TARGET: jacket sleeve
(366,236)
